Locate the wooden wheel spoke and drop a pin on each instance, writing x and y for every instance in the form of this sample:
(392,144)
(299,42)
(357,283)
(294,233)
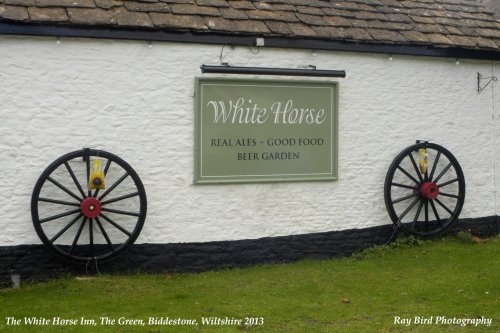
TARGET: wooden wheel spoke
(121,212)
(436,215)
(406,198)
(112,187)
(448,182)
(123,197)
(443,172)
(400,218)
(444,206)
(426,214)
(106,237)
(62,187)
(75,241)
(408,175)
(59,202)
(415,219)
(58,216)
(436,161)
(91,239)
(63,230)
(116,225)
(449,195)
(403,186)
(86,156)
(72,174)
(416,168)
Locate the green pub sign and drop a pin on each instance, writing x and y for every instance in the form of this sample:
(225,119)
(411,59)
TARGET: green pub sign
(252,130)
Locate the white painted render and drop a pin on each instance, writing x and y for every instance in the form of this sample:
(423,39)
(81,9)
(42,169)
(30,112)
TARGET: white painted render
(138,102)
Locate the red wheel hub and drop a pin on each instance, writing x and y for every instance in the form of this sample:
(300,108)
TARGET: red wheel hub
(429,190)
(91,207)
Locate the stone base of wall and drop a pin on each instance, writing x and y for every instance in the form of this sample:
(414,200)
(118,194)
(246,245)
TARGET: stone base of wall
(36,263)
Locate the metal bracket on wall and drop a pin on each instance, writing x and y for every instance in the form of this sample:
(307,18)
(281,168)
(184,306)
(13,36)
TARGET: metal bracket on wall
(312,71)
(480,77)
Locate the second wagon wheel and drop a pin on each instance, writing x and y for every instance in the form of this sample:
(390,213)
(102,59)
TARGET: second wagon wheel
(424,189)
(85,224)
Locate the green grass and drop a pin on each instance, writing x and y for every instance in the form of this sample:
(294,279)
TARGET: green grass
(450,277)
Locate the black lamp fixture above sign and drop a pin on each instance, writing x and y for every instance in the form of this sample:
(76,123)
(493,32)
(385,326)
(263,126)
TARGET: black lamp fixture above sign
(226,69)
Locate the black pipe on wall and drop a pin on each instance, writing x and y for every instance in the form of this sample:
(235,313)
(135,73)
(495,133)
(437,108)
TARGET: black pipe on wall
(272,71)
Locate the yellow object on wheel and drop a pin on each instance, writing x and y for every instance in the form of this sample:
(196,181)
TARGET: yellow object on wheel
(96,179)
(423,160)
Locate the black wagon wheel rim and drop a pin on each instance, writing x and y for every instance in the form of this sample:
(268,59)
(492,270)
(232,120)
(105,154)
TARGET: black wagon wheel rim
(83,224)
(424,195)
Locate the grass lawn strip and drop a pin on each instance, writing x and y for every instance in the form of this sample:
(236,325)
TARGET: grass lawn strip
(445,277)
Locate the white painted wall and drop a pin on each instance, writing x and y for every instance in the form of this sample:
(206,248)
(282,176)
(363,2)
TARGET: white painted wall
(52,95)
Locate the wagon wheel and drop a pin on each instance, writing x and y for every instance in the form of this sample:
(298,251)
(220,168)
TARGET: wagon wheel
(423,197)
(84,224)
